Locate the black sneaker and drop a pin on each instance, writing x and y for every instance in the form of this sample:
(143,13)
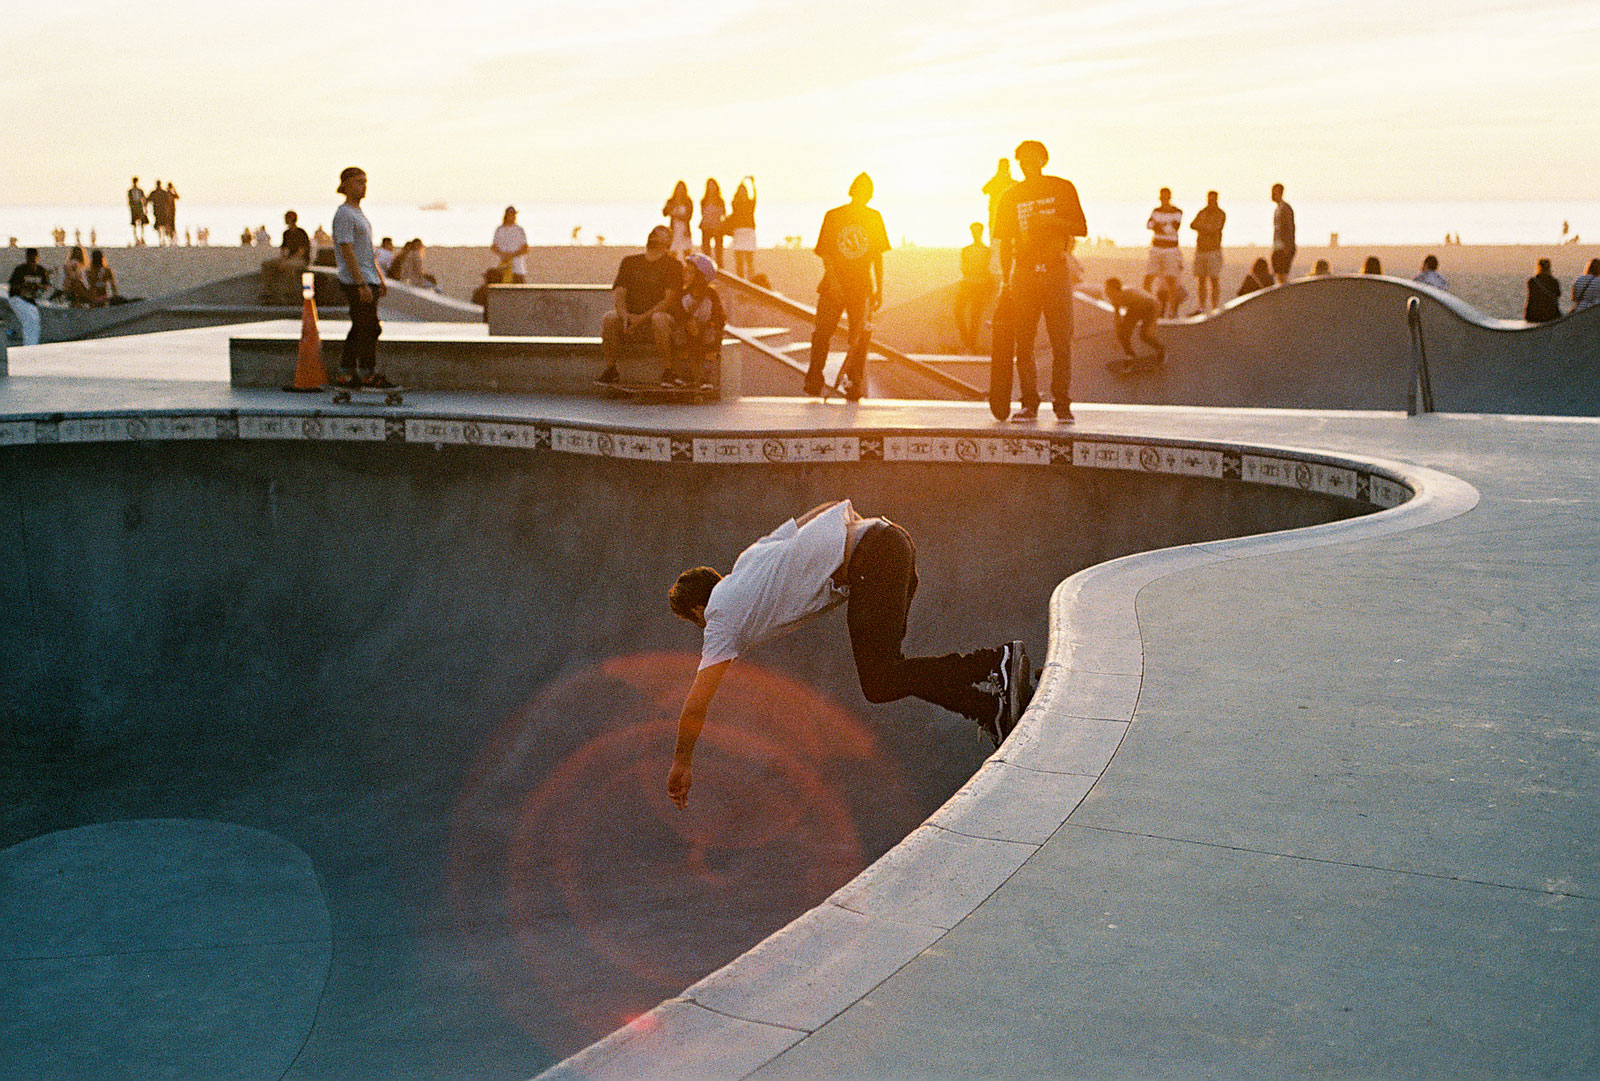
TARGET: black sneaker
(996,725)
(347,379)
(852,390)
(1027,412)
(377,381)
(610,375)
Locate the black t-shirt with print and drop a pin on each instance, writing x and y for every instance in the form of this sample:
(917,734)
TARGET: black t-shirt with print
(850,238)
(1038,216)
(648,282)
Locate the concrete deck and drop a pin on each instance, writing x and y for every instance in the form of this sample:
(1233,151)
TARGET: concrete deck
(1333,808)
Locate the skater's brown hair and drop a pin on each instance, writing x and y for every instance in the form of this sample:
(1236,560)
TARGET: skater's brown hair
(692,590)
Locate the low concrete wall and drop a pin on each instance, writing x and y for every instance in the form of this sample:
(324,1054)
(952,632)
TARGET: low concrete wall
(515,365)
(574,310)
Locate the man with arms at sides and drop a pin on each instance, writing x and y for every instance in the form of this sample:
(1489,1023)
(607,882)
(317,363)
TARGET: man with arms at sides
(808,565)
(851,242)
(1166,258)
(1283,248)
(361,282)
(1035,219)
(137,215)
(646,288)
(1207,226)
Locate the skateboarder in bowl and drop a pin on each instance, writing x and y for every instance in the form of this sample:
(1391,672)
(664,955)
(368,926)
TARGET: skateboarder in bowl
(829,556)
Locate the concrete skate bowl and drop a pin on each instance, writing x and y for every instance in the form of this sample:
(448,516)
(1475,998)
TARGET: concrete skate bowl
(382,725)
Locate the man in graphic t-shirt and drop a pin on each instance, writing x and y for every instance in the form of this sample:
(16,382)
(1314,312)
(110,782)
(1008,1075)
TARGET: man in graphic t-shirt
(851,242)
(807,566)
(646,288)
(1166,258)
(1034,222)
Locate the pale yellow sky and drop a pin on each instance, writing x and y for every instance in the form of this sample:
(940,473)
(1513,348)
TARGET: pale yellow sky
(612,99)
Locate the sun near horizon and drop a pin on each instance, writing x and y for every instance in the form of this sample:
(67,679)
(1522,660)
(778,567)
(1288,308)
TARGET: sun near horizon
(615,99)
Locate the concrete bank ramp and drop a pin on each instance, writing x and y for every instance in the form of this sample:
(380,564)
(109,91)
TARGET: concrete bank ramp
(1332,343)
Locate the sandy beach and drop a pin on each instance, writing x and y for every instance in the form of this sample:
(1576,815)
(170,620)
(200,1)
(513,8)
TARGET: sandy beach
(1490,277)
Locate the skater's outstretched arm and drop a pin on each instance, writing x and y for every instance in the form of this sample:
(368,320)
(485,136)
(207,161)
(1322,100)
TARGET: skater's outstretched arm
(690,721)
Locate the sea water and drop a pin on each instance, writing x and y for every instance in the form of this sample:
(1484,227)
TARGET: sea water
(925,223)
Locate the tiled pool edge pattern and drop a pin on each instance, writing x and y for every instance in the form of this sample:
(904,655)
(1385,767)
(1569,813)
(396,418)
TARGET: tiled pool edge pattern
(774,995)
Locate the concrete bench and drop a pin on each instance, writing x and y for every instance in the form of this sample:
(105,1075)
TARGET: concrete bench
(574,310)
(508,365)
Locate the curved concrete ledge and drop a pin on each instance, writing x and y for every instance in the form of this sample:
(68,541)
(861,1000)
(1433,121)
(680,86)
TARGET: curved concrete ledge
(770,998)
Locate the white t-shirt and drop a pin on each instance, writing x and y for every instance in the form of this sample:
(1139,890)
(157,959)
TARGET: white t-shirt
(1433,278)
(778,582)
(350,226)
(510,238)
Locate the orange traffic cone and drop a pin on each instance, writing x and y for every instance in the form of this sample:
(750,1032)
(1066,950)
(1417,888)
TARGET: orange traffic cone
(309,373)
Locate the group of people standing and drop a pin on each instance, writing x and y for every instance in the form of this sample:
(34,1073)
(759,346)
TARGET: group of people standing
(719,221)
(159,204)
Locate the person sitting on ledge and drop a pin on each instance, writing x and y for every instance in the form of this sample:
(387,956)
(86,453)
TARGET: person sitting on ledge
(1372,265)
(698,319)
(646,288)
(280,275)
(1585,287)
(1260,277)
(1544,296)
(1429,274)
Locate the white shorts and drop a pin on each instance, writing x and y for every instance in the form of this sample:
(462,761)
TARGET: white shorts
(744,239)
(1165,262)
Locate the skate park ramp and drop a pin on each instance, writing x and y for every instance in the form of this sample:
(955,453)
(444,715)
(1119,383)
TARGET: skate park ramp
(1339,342)
(356,751)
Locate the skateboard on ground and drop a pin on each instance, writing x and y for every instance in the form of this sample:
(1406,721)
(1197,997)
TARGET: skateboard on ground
(655,392)
(391,395)
(1147,362)
(1002,356)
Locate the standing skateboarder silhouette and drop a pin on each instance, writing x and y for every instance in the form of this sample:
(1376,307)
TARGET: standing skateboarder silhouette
(826,557)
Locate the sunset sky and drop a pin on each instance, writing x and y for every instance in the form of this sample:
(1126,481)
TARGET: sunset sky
(609,99)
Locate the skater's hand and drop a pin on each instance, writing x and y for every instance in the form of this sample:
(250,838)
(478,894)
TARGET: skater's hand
(678,781)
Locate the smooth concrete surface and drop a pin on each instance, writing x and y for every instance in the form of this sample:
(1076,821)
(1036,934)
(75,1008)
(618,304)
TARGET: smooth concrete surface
(534,309)
(1391,881)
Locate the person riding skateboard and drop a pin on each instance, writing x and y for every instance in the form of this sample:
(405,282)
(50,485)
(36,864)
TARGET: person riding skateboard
(809,565)
(1135,310)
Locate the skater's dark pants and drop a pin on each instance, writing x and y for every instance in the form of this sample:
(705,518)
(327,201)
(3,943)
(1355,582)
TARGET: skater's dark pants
(883,579)
(1046,291)
(1144,323)
(831,304)
(361,344)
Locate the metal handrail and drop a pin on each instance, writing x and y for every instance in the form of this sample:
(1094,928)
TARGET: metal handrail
(1420,385)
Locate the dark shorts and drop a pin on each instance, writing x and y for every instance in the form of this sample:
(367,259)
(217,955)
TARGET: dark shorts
(1282,260)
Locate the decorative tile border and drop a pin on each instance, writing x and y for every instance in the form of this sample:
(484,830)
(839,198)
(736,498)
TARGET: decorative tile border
(1277,467)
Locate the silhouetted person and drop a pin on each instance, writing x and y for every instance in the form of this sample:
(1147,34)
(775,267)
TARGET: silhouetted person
(810,565)
(102,281)
(1429,274)
(1544,296)
(1260,277)
(742,228)
(851,243)
(1321,269)
(974,289)
(280,275)
(361,282)
(679,212)
(997,185)
(1135,310)
(1207,226)
(645,289)
(1283,248)
(713,217)
(1372,265)
(1037,216)
(137,211)
(1166,258)
(1585,287)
